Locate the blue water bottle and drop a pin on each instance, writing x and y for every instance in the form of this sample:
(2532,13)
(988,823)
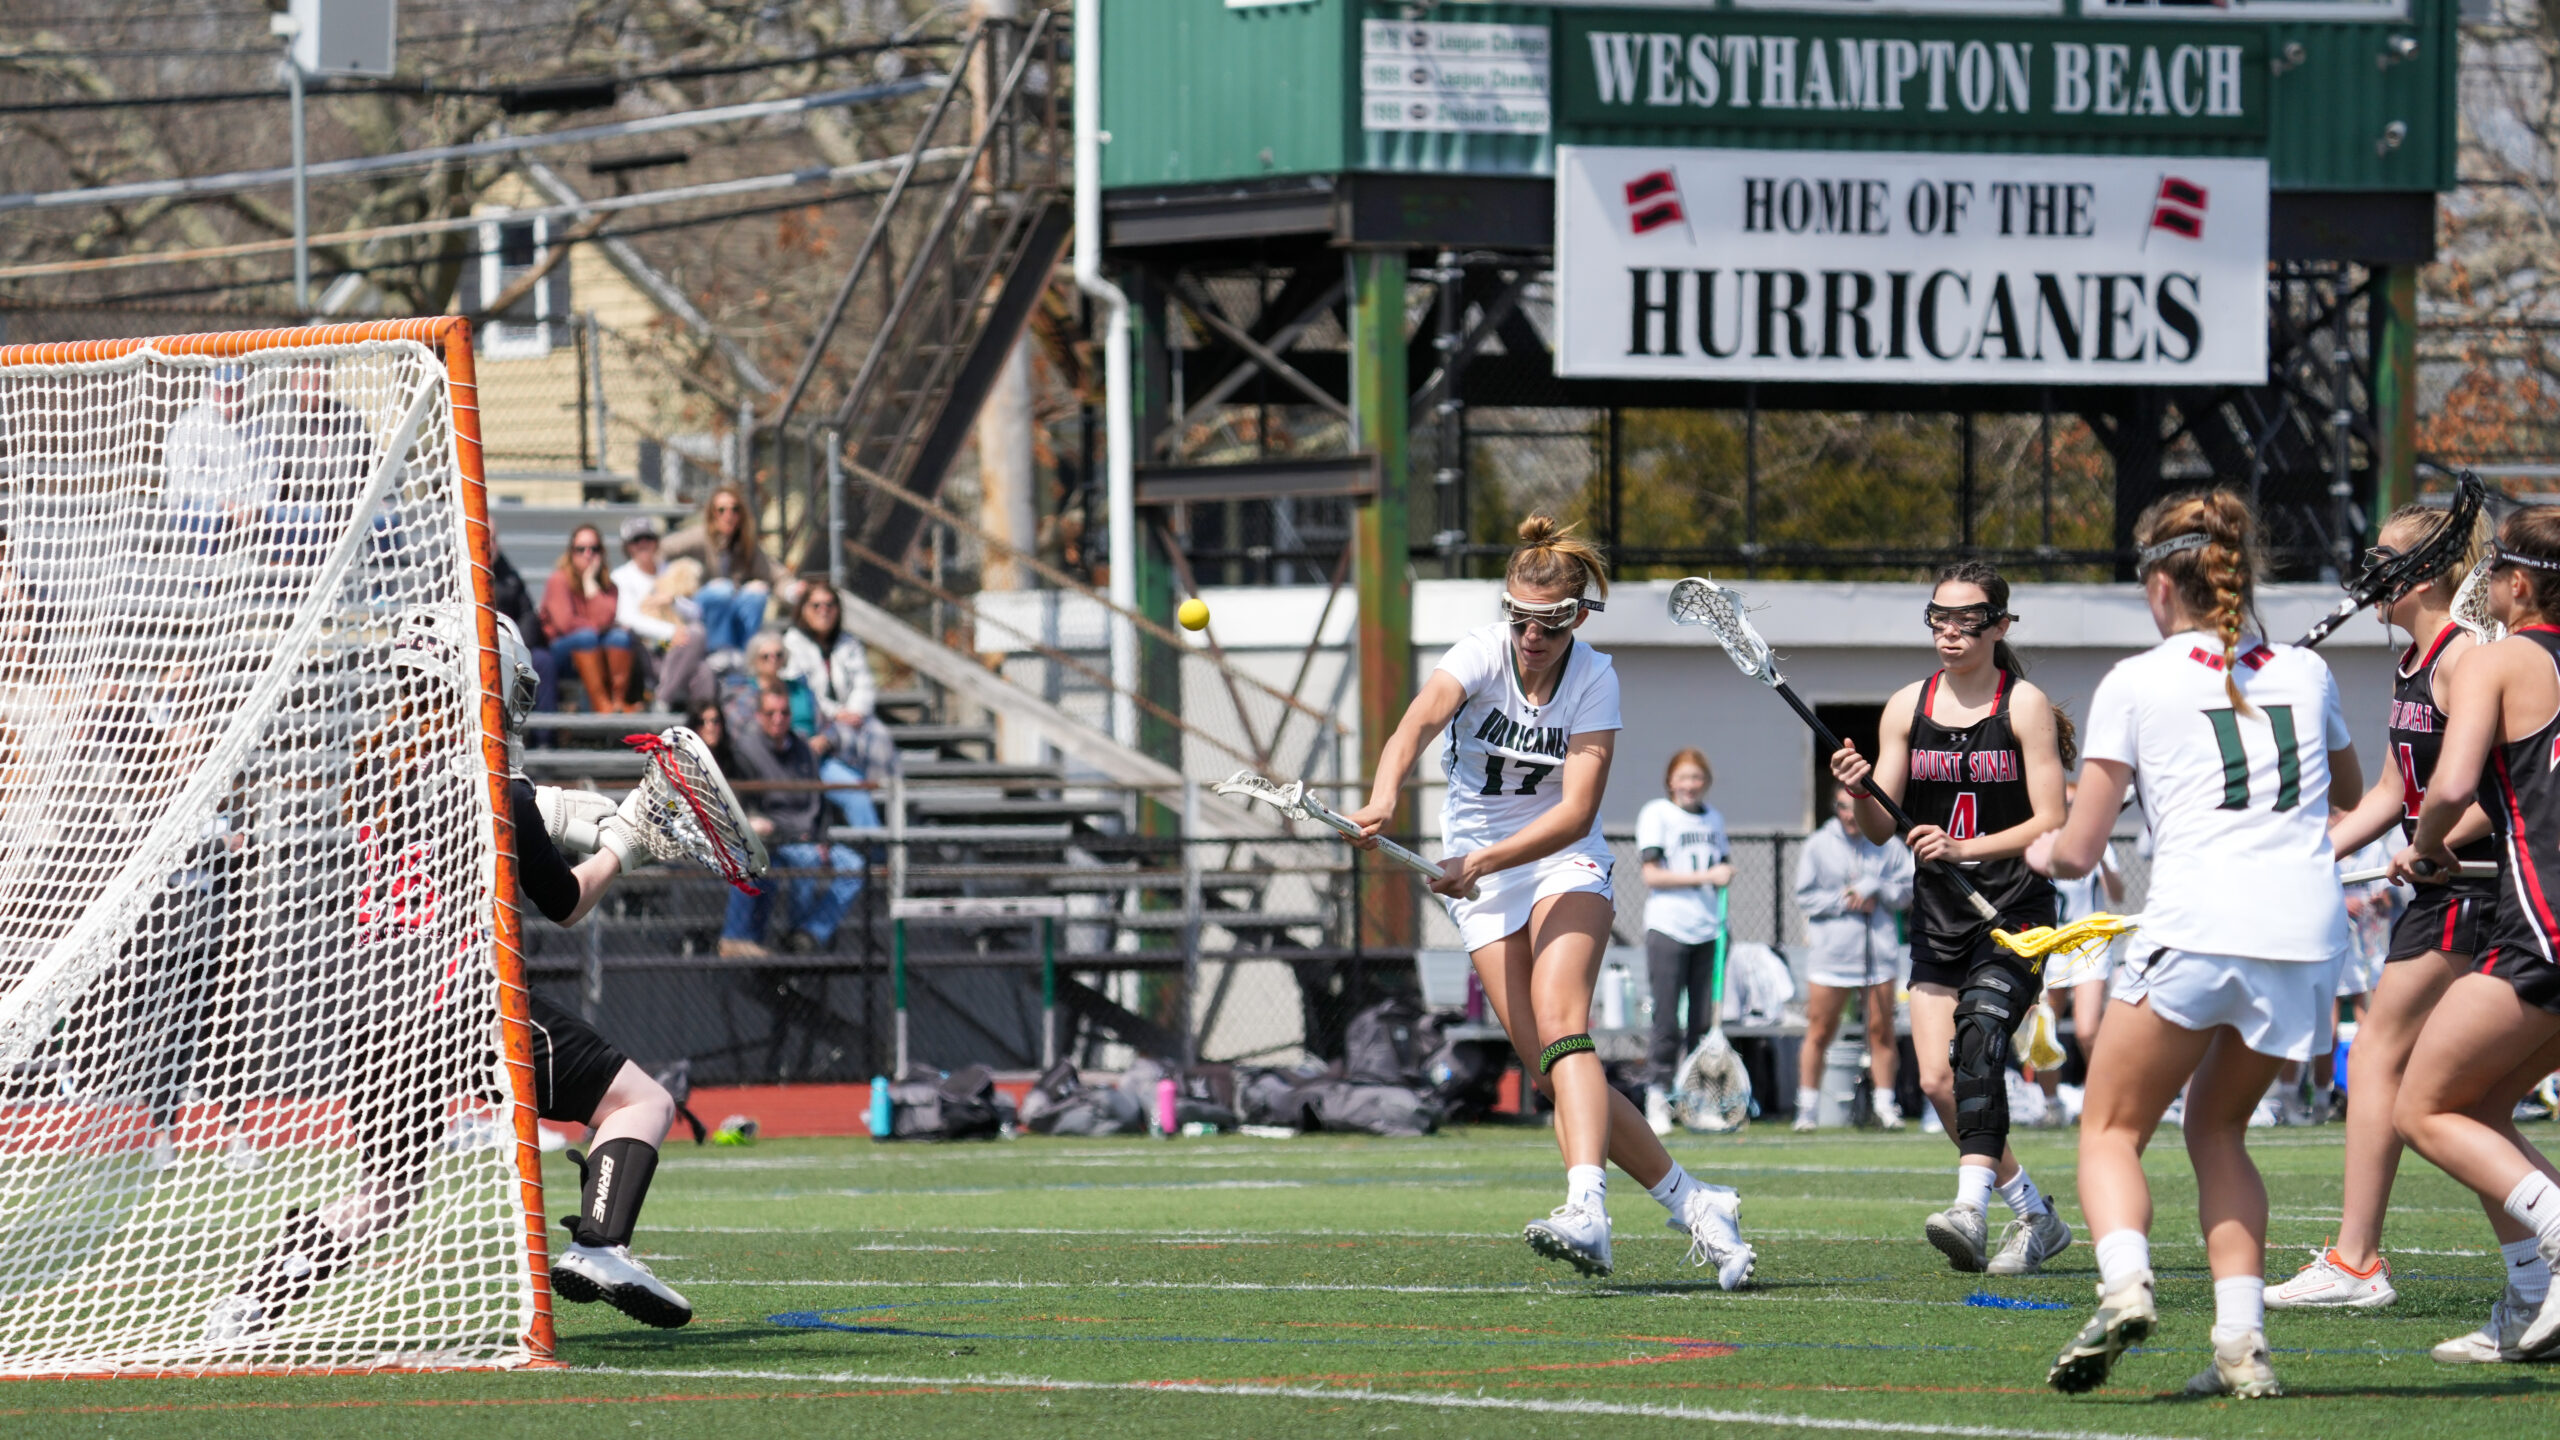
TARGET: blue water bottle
(879,1119)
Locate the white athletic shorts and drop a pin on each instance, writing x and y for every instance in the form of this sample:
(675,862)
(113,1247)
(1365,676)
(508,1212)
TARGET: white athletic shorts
(1504,898)
(1857,972)
(2284,1008)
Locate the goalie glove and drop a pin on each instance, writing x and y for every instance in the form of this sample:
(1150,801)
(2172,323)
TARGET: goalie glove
(583,822)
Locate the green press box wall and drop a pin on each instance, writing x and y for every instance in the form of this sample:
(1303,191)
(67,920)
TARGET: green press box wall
(1195,91)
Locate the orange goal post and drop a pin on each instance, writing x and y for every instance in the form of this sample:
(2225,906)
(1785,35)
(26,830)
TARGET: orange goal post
(260,971)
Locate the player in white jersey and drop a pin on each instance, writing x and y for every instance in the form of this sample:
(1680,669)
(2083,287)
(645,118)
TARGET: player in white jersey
(1688,862)
(1531,719)
(2236,745)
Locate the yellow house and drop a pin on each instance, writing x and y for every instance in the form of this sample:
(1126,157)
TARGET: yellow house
(583,391)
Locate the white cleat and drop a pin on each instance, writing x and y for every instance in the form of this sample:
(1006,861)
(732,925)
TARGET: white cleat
(1576,1234)
(588,1273)
(1713,1223)
(1888,1113)
(234,1318)
(2542,1337)
(1805,1123)
(2328,1283)
(1657,1109)
(2026,1244)
(2495,1342)
(2125,1319)
(1964,1234)
(2240,1369)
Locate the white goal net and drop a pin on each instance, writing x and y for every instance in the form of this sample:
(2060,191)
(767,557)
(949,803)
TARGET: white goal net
(256,1109)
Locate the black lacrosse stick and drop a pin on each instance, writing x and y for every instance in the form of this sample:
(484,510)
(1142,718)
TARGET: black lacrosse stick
(2381,584)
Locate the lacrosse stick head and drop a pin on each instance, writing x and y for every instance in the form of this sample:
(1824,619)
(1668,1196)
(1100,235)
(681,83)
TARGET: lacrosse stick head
(689,812)
(2046,944)
(2471,606)
(1718,609)
(1289,799)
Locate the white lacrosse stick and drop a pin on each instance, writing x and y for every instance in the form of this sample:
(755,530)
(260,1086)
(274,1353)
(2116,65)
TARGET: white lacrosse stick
(2462,870)
(684,809)
(1293,801)
(2471,606)
(1719,608)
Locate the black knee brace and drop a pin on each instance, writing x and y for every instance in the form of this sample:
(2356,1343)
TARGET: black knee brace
(1569,1045)
(1987,1009)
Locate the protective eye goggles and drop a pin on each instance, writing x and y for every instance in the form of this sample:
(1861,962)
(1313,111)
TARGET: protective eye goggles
(1551,619)
(2500,557)
(1968,621)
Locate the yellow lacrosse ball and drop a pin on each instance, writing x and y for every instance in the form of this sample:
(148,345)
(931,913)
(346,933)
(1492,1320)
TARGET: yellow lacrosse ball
(1194,614)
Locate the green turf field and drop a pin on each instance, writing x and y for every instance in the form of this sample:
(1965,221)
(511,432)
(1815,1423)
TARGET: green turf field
(1325,1286)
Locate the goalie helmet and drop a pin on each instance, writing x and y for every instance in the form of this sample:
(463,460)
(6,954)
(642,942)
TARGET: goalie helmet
(430,643)
(519,685)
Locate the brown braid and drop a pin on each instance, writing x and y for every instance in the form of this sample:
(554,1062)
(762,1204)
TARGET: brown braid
(2216,582)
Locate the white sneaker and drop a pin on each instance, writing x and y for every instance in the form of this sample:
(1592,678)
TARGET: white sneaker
(1713,1223)
(2026,1244)
(588,1273)
(2240,1369)
(1805,1123)
(2327,1283)
(234,1317)
(1576,1234)
(242,1158)
(1657,1109)
(1964,1234)
(1888,1113)
(2543,1336)
(2124,1320)
(2495,1342)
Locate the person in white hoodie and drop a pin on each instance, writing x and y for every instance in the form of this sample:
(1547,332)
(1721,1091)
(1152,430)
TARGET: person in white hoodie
(1852,892)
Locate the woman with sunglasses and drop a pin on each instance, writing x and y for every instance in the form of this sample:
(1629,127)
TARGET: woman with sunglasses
(738,578)
(2496,1031)
(1976,755)
(1530,717)
(2432,944)
(578,610)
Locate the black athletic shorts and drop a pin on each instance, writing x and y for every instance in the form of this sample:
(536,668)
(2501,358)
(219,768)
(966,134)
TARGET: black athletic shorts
(2453,918)
(1933,962)
(2536,980)
(572,1065)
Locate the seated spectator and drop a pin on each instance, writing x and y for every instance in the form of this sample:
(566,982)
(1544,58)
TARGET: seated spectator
(822,656)
(712,724)
(578,610)
(793,822)
(738,578)
(686,680)
(768,668)
(635,583)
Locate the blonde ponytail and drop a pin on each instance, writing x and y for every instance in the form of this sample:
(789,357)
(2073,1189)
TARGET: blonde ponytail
(1551,556)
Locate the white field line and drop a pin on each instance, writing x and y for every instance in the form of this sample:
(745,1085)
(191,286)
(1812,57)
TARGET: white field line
(1389,1397)
(1674,1289)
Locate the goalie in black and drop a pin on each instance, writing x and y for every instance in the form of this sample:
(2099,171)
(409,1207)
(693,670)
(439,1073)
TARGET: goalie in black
(400,1116)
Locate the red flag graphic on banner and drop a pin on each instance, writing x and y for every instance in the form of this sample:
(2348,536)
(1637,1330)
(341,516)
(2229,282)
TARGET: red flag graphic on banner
(2179,209)
(1653,201)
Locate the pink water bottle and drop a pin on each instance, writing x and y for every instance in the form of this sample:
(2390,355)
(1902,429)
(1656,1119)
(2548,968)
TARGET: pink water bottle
(1165,1125)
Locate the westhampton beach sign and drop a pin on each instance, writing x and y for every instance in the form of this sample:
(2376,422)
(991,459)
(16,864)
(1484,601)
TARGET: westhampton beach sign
(1729,70)
(1896,266)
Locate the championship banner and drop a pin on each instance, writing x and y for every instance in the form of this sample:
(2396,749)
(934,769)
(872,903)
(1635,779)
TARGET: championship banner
(1888,266)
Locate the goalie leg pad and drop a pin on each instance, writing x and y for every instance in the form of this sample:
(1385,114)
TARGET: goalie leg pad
(1987,1010)
(613,1184)
(1569,1045)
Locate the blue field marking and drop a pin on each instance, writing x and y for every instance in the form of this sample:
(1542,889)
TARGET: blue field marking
(1985,1300)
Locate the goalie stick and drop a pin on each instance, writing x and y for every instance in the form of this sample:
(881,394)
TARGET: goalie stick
(684,809)
(1718,608)
(1293,801)
(2381,584)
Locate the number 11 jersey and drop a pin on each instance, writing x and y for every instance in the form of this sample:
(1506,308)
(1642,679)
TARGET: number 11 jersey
(2238,802)
(1505,756)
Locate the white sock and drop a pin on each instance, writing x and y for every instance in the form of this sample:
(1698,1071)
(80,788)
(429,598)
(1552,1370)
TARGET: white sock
(1973,1186)
(1808,1102)
(2535,1202)
(2528,1274)
(1586,1185)
(2123,1257)
(1675,1189)
(2025,1200)
(2240,1303)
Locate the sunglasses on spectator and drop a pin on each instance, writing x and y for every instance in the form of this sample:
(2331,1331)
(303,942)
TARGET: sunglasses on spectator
(586,549)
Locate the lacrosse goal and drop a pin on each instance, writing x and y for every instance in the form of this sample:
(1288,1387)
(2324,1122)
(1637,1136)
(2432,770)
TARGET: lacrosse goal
(258,955)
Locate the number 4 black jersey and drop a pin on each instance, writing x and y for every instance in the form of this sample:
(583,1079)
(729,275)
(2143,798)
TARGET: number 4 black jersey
(2521,792)
(1971,780)
(2417,734)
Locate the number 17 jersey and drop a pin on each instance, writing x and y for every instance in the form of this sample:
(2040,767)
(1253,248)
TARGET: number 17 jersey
(2238,802)
(1505,756)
